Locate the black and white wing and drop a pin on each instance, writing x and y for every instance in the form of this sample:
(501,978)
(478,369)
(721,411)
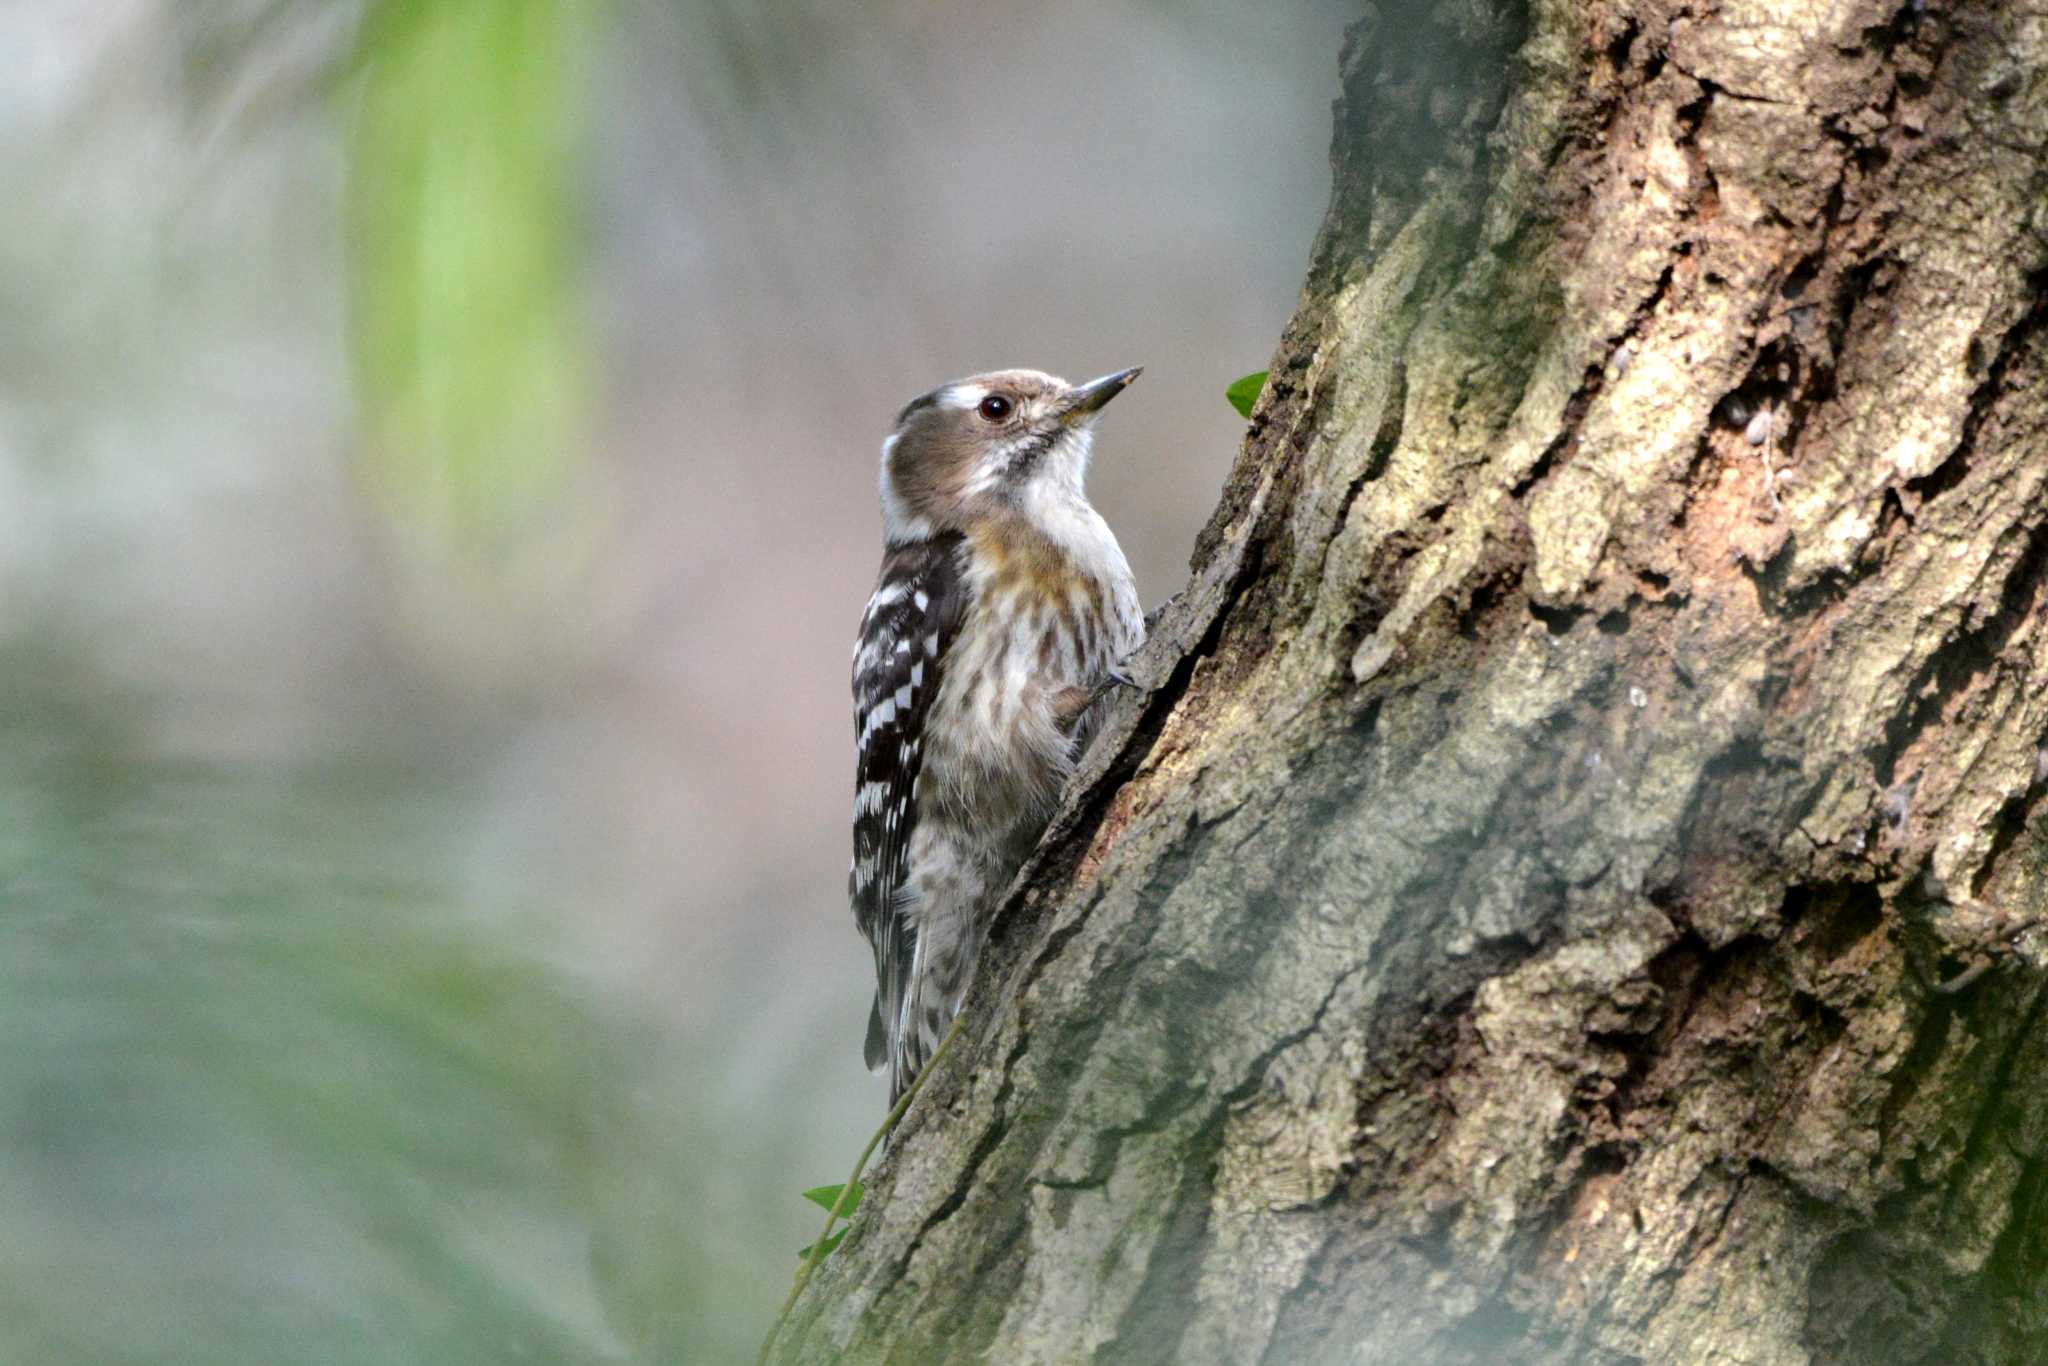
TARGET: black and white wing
(917,607)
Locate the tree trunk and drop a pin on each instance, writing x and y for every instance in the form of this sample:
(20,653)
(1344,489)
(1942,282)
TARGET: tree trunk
(1565,892)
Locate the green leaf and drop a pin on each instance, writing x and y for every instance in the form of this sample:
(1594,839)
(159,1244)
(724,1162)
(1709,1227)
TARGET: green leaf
(825,1197)
(834,1241)
(1245,392)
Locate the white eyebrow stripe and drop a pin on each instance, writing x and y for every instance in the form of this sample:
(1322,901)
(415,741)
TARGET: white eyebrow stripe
(963,395)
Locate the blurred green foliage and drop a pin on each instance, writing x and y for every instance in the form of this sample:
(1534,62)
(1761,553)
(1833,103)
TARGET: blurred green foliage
(285,1084)
(472,350)
(267,1099)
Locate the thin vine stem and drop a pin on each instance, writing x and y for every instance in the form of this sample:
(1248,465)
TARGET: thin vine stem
(803,1275)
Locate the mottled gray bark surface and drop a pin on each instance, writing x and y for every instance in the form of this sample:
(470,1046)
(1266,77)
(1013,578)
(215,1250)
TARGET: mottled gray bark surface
(1565,893)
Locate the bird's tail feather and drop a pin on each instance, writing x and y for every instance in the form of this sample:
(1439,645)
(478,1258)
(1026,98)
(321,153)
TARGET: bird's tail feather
(926,1014)
(876,1050)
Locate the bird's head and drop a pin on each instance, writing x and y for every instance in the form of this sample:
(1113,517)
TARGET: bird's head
(968,448)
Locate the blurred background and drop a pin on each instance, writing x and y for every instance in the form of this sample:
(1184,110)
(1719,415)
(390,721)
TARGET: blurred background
(437,468)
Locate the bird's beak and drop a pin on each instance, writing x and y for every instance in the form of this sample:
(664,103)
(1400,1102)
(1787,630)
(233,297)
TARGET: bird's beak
(1086,400)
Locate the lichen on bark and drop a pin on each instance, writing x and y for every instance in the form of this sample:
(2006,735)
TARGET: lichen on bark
(1567,891)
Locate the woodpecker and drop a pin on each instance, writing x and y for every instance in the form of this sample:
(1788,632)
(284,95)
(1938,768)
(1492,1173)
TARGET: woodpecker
(1003,609)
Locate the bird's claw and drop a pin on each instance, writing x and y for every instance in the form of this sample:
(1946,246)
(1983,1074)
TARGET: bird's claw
(1112,680)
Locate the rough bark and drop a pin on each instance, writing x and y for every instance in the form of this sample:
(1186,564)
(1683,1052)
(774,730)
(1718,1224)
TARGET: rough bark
(1564,894)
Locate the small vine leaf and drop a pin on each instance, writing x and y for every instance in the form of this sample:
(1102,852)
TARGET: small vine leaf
(834,1241)
(1244,394)
(825,1197)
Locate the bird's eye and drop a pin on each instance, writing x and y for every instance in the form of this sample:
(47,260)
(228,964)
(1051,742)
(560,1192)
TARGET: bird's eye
(994,408)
